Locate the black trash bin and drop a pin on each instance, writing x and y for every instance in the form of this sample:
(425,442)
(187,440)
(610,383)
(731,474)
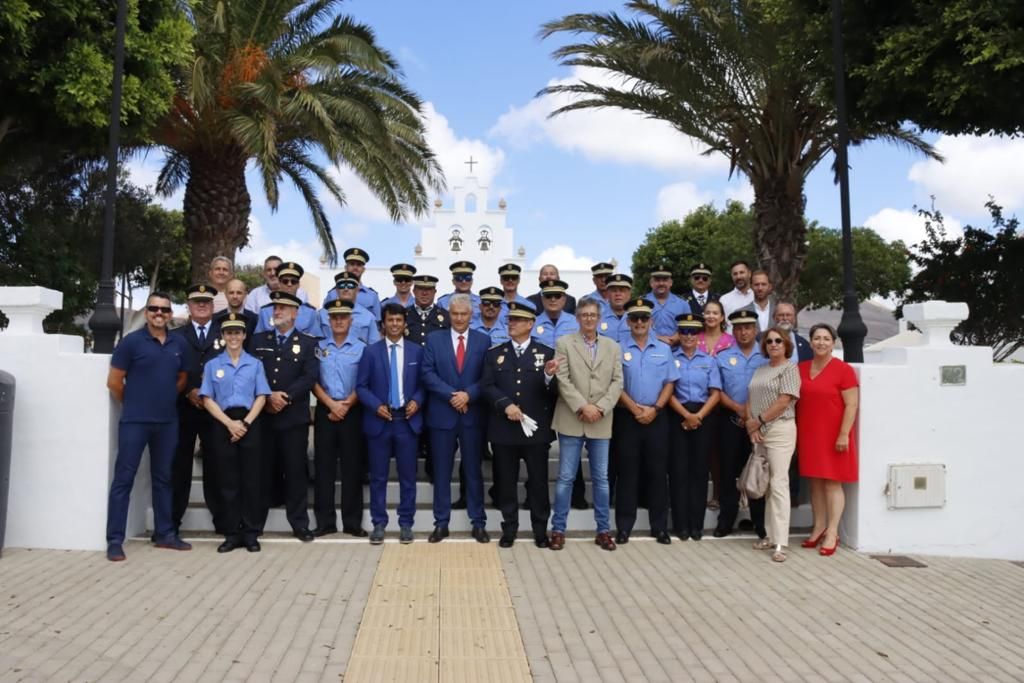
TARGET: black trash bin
(6,436)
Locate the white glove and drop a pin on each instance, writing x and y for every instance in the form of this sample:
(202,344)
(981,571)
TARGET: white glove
(529,425)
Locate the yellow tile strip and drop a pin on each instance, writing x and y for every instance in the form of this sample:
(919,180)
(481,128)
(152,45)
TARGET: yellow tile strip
(439,613)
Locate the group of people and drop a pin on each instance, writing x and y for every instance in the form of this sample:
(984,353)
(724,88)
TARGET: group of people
(655,388)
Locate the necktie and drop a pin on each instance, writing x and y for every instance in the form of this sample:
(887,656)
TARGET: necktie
(202,334)
(702,299)
(394,399)
(460,354)
(519,351)
(281,339)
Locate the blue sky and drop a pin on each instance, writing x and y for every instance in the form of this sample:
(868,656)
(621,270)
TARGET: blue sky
(589,185)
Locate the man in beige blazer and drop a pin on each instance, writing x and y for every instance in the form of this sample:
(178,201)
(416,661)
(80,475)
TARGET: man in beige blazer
(589,385)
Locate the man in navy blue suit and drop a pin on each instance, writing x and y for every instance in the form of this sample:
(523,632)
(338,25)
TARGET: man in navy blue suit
(388,387)
(453,362)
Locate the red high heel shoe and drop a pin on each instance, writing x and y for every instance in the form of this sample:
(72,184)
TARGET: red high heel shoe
(813,541)
(827,552)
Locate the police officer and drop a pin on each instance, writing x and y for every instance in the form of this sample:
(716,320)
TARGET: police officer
(640,425)
(363,325)
(355,265)
(696,395)
(234,392)
(337,426)
(202,341)
(614,321)
(736,365)
(424,316)
(146,374)
(667,306)
(600,273)
(700,288)
(306,319)
(289,358)
(490,322)
(402,275)
(462,280)
(509,275)
(519,380)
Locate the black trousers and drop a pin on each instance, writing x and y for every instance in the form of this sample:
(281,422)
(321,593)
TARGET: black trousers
(641,462)
(506,482)
(337,443)
(734,450)
(194,423)
(238,466)
(688,473)
(285,468)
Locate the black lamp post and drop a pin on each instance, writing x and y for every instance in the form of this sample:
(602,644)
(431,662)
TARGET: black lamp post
(105,322)
(852,329)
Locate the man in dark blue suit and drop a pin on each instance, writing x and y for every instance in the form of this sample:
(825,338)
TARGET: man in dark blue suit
(389,389)
(453,362)
(785,318)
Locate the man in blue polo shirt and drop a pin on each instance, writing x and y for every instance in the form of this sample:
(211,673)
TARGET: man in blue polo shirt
(146,374)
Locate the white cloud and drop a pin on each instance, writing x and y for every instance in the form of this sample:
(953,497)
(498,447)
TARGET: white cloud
(740,190)
(678,199)
(564,257)
(260,247)
(976,167)
(604,134)
(901,224)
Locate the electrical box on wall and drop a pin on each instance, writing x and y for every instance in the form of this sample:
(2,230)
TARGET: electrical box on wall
(916,486)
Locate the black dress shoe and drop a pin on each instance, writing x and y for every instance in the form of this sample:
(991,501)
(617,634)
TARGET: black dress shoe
(696,535)
(304,535)
(324,531)
(252,546)
(721,532)
(228,545)
(541,541)
(438,534)
(622,538)
(460,504)
(580,504)
(663,538)
(683,535)
(480,534)
(506,541)
(746,525)
(357,531)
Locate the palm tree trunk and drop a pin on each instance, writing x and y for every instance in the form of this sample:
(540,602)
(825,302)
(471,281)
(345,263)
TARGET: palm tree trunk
(216,208)
(780,232)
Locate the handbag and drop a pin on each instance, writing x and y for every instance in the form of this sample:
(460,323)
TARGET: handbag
(753,480)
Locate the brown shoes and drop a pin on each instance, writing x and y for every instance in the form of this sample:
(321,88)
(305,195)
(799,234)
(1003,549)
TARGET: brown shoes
(604,539)
(557,541)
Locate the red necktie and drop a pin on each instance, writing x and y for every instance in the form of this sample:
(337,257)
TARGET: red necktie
(460,354)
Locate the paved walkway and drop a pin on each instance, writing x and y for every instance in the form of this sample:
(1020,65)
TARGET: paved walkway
(708,611)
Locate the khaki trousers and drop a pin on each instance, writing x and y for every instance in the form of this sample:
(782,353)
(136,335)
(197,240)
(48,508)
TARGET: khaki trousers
(779,444)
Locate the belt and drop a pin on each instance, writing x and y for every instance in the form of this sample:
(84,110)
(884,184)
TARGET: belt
(398,413)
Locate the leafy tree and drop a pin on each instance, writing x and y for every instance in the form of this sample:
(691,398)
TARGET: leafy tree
(740,76)
(279,84)
(983,269)
(718,238)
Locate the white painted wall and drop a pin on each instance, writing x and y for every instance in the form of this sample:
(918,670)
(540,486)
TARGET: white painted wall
(908,417)
(65,432)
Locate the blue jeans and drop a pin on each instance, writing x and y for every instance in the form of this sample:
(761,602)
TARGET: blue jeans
(570,449)
(132,439)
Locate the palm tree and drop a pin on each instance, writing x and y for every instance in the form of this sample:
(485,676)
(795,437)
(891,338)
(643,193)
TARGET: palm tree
(284,84)
(747,78)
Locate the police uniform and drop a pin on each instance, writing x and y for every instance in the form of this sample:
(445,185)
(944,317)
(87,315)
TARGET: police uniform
(511,270)
(364,324)
(289,359)
(401,271)
(498,332)
(419,322)
(462,269)
(601,270)
(736,369)
(663,322)
(234,387)
(643,448)
(248,317)
(612,325)
(307,320)
(688,465)
(548,331)
(338,441)
(366,297)
(514,375)
(202,342)
(695,300)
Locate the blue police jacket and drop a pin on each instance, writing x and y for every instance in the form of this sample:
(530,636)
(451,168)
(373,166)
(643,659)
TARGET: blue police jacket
(339,365)
(647,369)
(234,386)
(697,376)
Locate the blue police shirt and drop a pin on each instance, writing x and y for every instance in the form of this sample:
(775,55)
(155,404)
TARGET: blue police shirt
(151,379)
(596,296)
(614,326)
(647,369)
(503,316)
(498,333)
(234,386)
(697,376)
(737,369)
(339,365)
(664,315)
(366,297)
(364,325)
(547,332)
(395,300)
(307,320)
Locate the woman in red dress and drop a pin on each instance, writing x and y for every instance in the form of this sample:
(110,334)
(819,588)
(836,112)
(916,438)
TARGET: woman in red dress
(826,443)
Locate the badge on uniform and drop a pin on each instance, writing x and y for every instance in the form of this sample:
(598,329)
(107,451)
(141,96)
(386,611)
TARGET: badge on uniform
(216,344)
(501,359)
(220,373)
(732,361)
(627,356)
(604,327)
(406,332)
(440,318)
(296,348)
(540,329)
(678,364)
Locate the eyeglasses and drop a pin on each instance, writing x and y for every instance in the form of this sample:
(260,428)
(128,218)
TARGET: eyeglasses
(586,316)
(703,278)
(689,332)
(773,340)
(463,278)
(553,295)
(287,281)
(166,310)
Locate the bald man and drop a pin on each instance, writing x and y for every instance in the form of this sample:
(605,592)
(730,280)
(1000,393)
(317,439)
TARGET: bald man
(235,293)
(549,271)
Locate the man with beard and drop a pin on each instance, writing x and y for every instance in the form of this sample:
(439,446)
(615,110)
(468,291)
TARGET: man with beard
(306,319)
(667,306)
(785,320)
(700,288)
(741,295)
(235,293)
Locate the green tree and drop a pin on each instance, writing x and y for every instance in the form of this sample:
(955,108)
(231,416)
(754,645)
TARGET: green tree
(278,85)
(982,268)
(741,77)
(718,238)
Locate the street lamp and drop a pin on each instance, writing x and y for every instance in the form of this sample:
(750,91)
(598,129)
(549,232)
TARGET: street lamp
(852,329)
(105,322)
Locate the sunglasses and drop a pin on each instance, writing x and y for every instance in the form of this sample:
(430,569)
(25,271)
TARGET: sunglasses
(166,310)
(689,332)
(288,281)
(703,278)
(773,340)
(463,278)
(346,285)
(509,277)
(403,280)
(553,295)
(493,304)
(639,318)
